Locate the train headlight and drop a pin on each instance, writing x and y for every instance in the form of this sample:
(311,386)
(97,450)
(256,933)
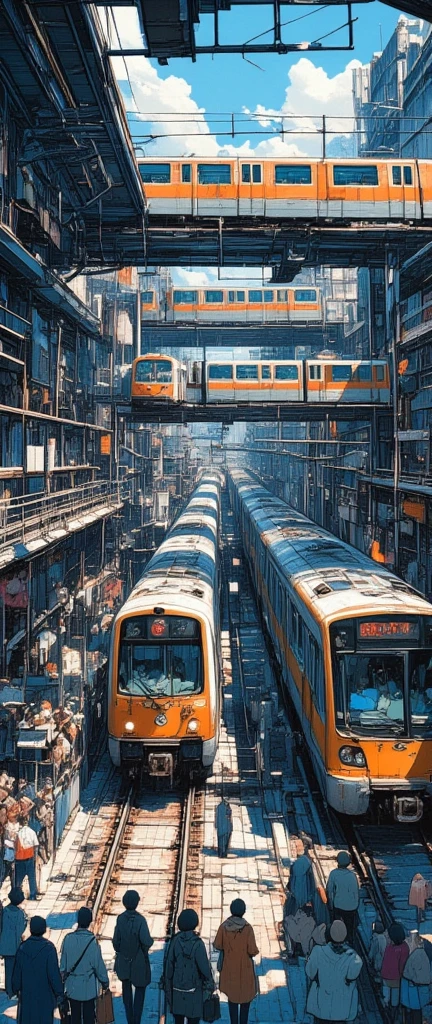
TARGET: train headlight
(352,756)
(129,727)
(193,725)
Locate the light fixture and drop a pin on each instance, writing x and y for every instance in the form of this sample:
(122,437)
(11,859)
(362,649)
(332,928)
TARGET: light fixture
(129,727)
(193,725)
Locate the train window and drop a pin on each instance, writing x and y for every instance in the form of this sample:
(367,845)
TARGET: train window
(408,179)
(246,173)
(147,298)
(255,296)
(241,296)
(265,372)
(214,174)
(214,296)
(286,373)
(256,174)
(185,297)
(282,295)
(293,174)
(305,295)
(247,371)
(380,372)
(362,372)
(296,638)
(159,670)
(268,296)
(341,373)
(221,372)
(144,371)
(352,174)
(315,372)
(163,372)
(186,174)
(155,174)
(231,296)
(397,175)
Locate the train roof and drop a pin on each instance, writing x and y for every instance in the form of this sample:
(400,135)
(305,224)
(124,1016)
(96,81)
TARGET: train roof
(336,577)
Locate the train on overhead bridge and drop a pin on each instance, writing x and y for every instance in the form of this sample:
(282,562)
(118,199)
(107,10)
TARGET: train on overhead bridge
(234,305)
(293,189)
(165,661)
(354,382)
(354,646)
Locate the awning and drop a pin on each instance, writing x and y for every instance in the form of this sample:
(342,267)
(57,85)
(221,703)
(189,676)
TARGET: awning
(16,640)
(33,739)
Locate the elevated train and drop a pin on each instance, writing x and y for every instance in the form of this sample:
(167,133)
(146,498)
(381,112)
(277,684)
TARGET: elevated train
(354,645)
(160,377)
(301,305)
(295,189)
(165,661)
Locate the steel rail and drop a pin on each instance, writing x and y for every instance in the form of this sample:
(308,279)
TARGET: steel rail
(105,880)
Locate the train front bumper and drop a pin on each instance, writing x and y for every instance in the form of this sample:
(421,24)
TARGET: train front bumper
(184,751)
(353,795)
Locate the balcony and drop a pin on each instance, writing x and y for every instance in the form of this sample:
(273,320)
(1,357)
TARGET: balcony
(29,524)
(13,324)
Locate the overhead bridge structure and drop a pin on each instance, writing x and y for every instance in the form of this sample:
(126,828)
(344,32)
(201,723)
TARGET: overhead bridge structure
(244,412)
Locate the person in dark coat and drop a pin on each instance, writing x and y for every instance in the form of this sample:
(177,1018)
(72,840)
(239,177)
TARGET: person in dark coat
(224,827)
(13,926)
(343,893)
(301,886)
(36,978)
(132,941)
(188,978)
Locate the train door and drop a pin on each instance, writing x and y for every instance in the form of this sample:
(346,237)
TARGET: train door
(216,189)
(315,383)
(251,189)
(403,191)
(266,381)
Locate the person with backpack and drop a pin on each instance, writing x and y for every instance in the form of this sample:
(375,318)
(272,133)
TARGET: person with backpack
(13,925)
(132,941)
(26,846)
(82,969)
(188,978)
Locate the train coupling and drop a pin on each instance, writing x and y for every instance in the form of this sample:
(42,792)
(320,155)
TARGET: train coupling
(161,765)
(407,808)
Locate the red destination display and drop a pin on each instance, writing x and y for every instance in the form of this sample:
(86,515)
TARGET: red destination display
(384,629)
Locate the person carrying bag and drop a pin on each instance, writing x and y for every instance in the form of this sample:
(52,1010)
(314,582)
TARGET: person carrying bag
(83,971)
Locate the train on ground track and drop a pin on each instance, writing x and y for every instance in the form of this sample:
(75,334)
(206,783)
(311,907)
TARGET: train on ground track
(165,660)
(234,305)
(354,646)
(157,377)
(293,189)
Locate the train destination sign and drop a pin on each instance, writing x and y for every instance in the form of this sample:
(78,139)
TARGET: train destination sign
(379,630)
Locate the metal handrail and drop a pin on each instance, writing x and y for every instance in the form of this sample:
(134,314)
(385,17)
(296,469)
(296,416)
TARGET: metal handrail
(22,517)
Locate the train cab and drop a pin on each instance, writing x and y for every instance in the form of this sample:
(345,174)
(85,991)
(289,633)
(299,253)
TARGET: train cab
(157,378)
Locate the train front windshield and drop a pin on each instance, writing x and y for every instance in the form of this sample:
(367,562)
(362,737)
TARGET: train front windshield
(160,657)
(153,371)
(379,691)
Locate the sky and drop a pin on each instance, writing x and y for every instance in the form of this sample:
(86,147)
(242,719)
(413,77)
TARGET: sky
(183,104)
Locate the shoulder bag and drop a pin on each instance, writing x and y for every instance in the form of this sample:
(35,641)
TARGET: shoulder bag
(64,1004)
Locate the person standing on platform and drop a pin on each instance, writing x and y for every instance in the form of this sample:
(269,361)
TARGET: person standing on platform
(224,827)
(343,893)
(333,970)
(188,977)
(132,941)
(82,969)
(395,957)
(26,846)
(235,940)
(36,978)
(13,925)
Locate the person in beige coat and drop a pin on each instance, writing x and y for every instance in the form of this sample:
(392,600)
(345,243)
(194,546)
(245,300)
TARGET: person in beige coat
(235,941)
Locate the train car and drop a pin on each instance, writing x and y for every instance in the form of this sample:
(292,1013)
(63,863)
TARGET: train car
(301,189)
(315,380)
(354,645)
(165,662)
(245,305)
(150,309)
(159,378)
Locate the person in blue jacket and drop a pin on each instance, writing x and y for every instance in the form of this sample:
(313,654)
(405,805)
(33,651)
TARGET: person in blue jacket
(36,978)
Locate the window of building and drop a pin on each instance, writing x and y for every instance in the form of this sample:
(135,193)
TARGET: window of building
(214,296)
(266,373)
(305,295)
(147,298)
(247,371)
(282,295)
(255,295)
(214,174)
(293,174)
(286,373)
(185,297)
(341,373)
(186,174)
(355,174)
(220,372)
(155,174)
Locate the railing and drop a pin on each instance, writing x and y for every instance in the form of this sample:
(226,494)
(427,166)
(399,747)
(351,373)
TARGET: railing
(417,322)
(13,322)
(21,519)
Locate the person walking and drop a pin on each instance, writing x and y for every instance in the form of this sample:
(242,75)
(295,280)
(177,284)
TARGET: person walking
(188,978)
(13,925)
(333,970)
(301,888)
(378,946)
(343,893)
(416,977)
(395,957)
(235,940)
(132,941)
(26,845)
(224,827)
(82,969)
(36,978)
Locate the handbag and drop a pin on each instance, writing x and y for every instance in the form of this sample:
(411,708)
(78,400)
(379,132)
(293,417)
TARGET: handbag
(211,1009)
(104,1008)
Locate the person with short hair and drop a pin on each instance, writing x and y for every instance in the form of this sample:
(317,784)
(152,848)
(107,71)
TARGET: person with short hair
(13,926)
(188,977)
(235,940)
(26,846)
(132,941)
(82,969)
(224,826)
(333,970)
(394,960)
(36,978)
(415,982)
(343,893)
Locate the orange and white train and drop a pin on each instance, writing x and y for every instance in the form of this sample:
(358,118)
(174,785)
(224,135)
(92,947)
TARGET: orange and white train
(355,382)
(301,189)
(301,305)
